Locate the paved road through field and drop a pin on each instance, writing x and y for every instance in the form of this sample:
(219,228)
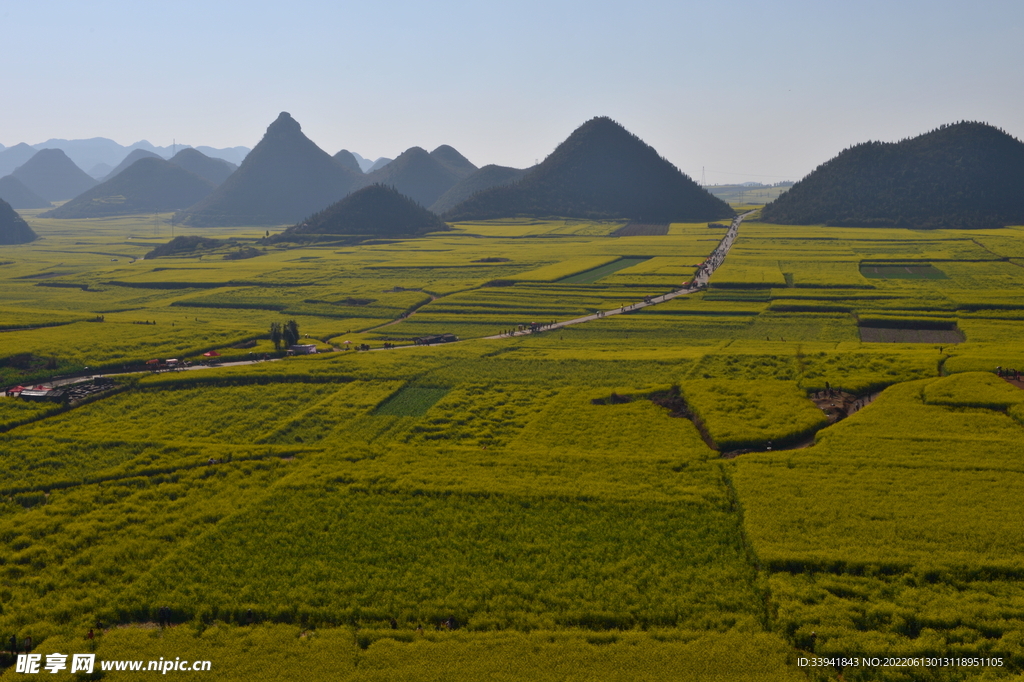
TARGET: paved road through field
(700,280)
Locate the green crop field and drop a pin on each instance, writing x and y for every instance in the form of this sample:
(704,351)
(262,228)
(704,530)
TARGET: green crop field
(411,401)
(591,276)
(910,271)
(593,501)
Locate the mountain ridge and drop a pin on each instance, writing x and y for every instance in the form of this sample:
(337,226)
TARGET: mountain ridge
(150,185)
(601,171)
(962,175)
(15,193)
(53,176)
(285,178)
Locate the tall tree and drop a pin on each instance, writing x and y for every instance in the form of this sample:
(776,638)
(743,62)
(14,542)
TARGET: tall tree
(276,335)
(291,333)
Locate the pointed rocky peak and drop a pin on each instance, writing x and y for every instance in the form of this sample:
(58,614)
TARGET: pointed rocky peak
(283,179)
(284,125)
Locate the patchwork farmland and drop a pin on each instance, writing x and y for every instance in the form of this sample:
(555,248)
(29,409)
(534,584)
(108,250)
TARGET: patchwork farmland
(554,503)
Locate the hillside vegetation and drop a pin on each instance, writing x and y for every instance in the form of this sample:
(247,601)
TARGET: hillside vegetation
(965,175)
(14,192)
(126,163)
(214,170)
(484,178)
(601,171)
(150,185)
(710,487)
(418,175)
(53,176)
(13,229)
(285,178)
(373,211)
(348,160)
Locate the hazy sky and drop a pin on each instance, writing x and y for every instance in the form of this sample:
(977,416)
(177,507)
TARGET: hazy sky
(749,90)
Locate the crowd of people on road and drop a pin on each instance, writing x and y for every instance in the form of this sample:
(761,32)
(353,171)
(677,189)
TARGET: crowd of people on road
(712,262)
(1007,373)
(704,272)
(529,328)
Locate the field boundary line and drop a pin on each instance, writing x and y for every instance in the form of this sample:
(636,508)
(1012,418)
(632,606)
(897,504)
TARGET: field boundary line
(149,473)
(716,258)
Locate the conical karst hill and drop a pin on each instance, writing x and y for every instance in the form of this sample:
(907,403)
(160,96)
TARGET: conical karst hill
(12,157)
(485,178)
(964,175)
(214,170)
(348,160)
(451,159)
(13,228)
(100,170)
(150,185)
(377,210)
(285,178)
(53,176)
(417,175)
(601,171)
(15,193)
(132,157)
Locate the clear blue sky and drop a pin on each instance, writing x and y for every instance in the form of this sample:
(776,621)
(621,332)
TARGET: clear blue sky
(750,90)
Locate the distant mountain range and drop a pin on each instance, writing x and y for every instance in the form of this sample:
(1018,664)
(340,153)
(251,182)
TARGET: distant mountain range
(87,154)
(378,164)
(150,185)
(964,175)
(421,176)
(12,157)
(100,170)
(53,176)
(214,170)
(366,165)
(348,160)
(134,156)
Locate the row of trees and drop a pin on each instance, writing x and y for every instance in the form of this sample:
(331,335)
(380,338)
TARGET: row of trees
(284,335)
